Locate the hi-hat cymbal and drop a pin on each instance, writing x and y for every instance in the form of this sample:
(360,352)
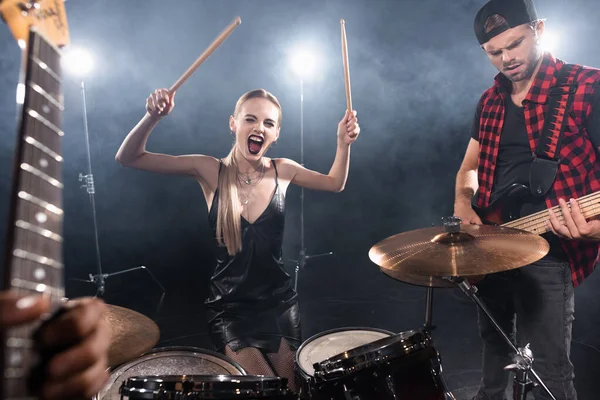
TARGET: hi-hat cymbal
(133,334)
(425,256)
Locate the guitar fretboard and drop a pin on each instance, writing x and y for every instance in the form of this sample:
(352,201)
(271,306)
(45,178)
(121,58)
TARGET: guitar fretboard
(536,223)
(34,246)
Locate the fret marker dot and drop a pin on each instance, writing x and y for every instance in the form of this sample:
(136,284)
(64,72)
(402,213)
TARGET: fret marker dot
(15,358)
(43,162)
(45,109)
(39,274)
(41,217)
(40,288)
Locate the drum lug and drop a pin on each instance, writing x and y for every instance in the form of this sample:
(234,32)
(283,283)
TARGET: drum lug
(348,394)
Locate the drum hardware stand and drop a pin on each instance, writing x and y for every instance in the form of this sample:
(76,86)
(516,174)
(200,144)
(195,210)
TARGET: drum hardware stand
(428,326)
(348,394)
(523,358)
(521,367)
(451,225)
(100,278)
(303,256)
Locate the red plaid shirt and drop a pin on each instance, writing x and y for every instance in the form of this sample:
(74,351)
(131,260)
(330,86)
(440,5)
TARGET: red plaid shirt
(579,170)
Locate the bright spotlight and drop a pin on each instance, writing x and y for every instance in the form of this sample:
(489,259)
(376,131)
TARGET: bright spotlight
(303,63)
(550,41)
(78,61)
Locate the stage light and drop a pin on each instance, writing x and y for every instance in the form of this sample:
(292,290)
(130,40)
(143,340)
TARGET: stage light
(78,61)
(550,41)
(304,63)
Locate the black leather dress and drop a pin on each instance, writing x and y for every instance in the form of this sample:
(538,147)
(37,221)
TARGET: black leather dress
(252,302)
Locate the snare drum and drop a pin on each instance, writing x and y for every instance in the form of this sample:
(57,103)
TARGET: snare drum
(169,361)
(325,345)
(403,366)
(200,387)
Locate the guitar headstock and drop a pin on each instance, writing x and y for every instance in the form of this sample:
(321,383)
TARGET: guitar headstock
(48,16)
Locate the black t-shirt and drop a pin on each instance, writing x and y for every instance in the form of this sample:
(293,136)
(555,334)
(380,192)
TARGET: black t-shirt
(514,153)
(515,156)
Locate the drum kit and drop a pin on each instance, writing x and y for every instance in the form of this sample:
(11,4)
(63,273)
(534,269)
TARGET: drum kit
(347,363)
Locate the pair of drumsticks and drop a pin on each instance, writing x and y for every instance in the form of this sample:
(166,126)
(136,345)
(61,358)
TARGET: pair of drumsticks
(221,38)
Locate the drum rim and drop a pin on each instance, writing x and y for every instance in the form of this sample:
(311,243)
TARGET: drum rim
(192,349)
(334,368)
(220,377)
(334,330)
(250,384)
(158,350)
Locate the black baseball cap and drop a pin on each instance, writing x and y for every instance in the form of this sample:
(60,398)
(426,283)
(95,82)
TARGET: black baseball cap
(515,12)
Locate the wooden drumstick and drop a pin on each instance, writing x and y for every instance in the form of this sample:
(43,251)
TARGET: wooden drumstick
(346,68)
(216,43)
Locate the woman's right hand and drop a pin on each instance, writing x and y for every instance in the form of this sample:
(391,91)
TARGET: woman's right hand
(160,103)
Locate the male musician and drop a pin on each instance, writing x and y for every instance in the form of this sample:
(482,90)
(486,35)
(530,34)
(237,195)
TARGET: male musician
(506,129)
(78,341)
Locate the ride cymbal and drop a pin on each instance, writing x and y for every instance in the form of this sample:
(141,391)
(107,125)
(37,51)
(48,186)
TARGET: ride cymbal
(425,256)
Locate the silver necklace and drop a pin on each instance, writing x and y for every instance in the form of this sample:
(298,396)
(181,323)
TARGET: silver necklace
(246,194)
(248,178)
(246,198)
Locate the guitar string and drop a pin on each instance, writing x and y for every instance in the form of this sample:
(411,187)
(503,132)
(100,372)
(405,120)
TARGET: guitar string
(586,204)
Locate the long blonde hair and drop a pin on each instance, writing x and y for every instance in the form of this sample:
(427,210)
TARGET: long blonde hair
(229,217)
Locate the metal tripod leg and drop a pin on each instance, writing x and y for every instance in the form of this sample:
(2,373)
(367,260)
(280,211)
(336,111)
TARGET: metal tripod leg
(523,359)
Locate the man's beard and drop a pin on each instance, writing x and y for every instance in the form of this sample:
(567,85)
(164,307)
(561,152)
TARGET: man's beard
(530,66)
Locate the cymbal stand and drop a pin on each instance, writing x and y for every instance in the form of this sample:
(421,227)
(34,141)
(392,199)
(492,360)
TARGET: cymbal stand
(523,358)
(428,326)
(100,278)
(303,257)
(451,226)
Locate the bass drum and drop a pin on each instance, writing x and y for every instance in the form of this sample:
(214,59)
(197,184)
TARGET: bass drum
(328,344)
(169,361)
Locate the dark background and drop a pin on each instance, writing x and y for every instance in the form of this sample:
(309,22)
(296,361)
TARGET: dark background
(417,73)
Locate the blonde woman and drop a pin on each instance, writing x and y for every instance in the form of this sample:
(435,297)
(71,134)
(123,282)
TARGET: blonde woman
(252,308)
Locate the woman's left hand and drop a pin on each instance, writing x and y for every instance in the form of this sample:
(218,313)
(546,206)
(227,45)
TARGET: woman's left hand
(348,128)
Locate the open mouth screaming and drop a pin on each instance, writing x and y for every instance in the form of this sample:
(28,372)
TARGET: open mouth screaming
(255,144)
